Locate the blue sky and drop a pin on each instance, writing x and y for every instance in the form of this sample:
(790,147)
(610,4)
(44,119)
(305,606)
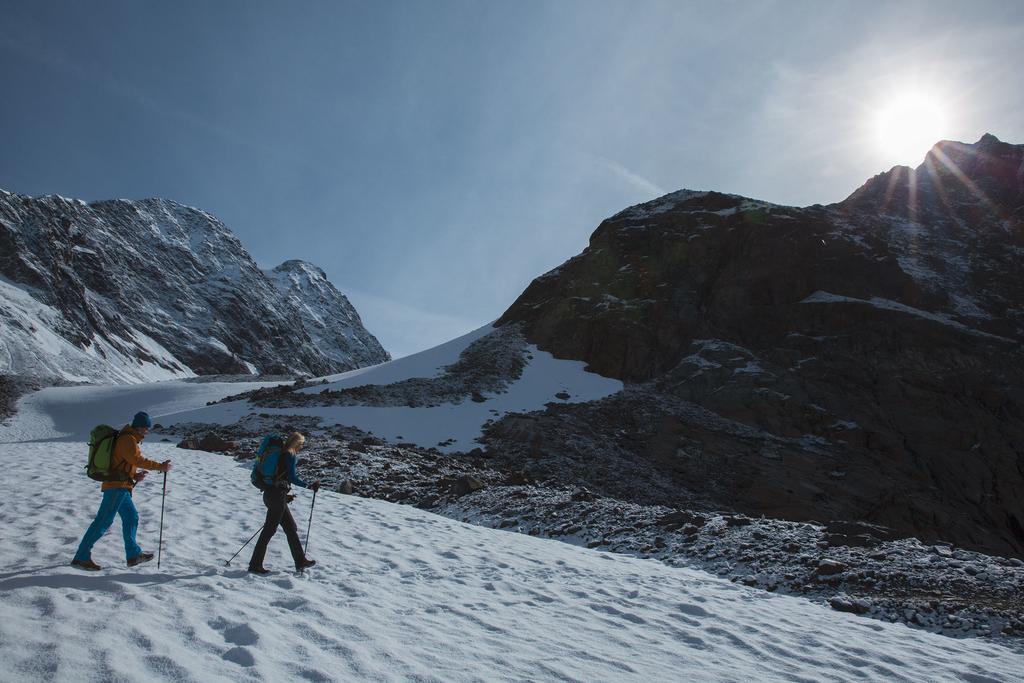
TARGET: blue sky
(434,157)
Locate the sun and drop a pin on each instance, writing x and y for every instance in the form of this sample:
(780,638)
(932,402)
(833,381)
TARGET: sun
(907,126)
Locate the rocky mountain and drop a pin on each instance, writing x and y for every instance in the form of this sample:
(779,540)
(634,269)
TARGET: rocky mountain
(327,316)
(820,401)
(859,361)
(140,290)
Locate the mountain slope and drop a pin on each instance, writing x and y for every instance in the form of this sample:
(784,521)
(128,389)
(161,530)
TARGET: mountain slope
(133,290)
(871,349)
(331,322)
(442,398)
(801,392)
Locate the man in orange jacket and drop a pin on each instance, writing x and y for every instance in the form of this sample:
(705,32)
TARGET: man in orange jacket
(117,495)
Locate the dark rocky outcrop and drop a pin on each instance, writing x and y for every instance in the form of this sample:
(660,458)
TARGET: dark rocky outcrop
(860,361)
(210,442)
(11,389)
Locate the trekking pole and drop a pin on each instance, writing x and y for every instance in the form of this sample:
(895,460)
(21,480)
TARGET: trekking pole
(243,546)
(310,521)
(160,543)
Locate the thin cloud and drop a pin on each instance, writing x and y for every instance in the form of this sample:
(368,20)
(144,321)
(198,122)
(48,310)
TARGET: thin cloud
(633,180)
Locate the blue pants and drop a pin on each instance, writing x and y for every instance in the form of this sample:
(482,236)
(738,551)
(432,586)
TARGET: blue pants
(115,502)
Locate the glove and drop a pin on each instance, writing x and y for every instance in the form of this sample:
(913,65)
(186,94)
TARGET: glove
(315,486)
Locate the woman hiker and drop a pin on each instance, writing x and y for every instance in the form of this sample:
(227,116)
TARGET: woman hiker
(117,495)
(280,464)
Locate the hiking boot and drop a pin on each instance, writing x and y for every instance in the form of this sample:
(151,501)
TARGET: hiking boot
(258,570)
(303,563)
(140,558)
(87,565)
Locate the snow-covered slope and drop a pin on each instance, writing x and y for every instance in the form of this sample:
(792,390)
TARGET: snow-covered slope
(71,412)
(398,594)
(450,425)
(427,363)
(140,290)
(31,344)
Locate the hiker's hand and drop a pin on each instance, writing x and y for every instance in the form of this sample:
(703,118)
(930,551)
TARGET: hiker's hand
(315,486)
(290,498)
(140,475)
(165,466)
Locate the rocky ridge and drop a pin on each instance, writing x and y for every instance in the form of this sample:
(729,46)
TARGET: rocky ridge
(139,290)
(331,321)
(873,347)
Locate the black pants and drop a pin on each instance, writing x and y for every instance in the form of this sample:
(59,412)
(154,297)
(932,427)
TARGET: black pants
(277,513)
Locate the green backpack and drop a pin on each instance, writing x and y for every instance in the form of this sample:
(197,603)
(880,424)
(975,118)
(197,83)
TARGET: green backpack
(101,452)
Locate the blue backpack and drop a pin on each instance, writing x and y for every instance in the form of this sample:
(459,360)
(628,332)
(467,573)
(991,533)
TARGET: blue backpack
(269,469)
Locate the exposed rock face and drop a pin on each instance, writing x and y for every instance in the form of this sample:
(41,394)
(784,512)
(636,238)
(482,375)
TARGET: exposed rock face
(330,320)
(872,347)
(139,290)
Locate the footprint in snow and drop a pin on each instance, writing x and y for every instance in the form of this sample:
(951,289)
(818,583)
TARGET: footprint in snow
(242,634)
(314,676)
(290,603)
(692,610)
(240,656)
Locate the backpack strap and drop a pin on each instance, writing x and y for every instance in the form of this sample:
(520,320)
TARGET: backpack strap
(119,470)
(281,473)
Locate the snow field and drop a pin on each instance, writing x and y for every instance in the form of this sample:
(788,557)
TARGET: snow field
(31,345)
(398,594)
(426,363)
(449,427)
(71,412)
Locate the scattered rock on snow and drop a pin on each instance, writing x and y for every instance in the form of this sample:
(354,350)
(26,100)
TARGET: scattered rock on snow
(844,603)
(466,484)
(215,443)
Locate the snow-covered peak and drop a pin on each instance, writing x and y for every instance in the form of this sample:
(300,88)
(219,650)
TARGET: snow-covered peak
(296,275)
(330,320)
(300,268)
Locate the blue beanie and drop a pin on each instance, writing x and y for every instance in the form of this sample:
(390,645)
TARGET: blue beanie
(142,420)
